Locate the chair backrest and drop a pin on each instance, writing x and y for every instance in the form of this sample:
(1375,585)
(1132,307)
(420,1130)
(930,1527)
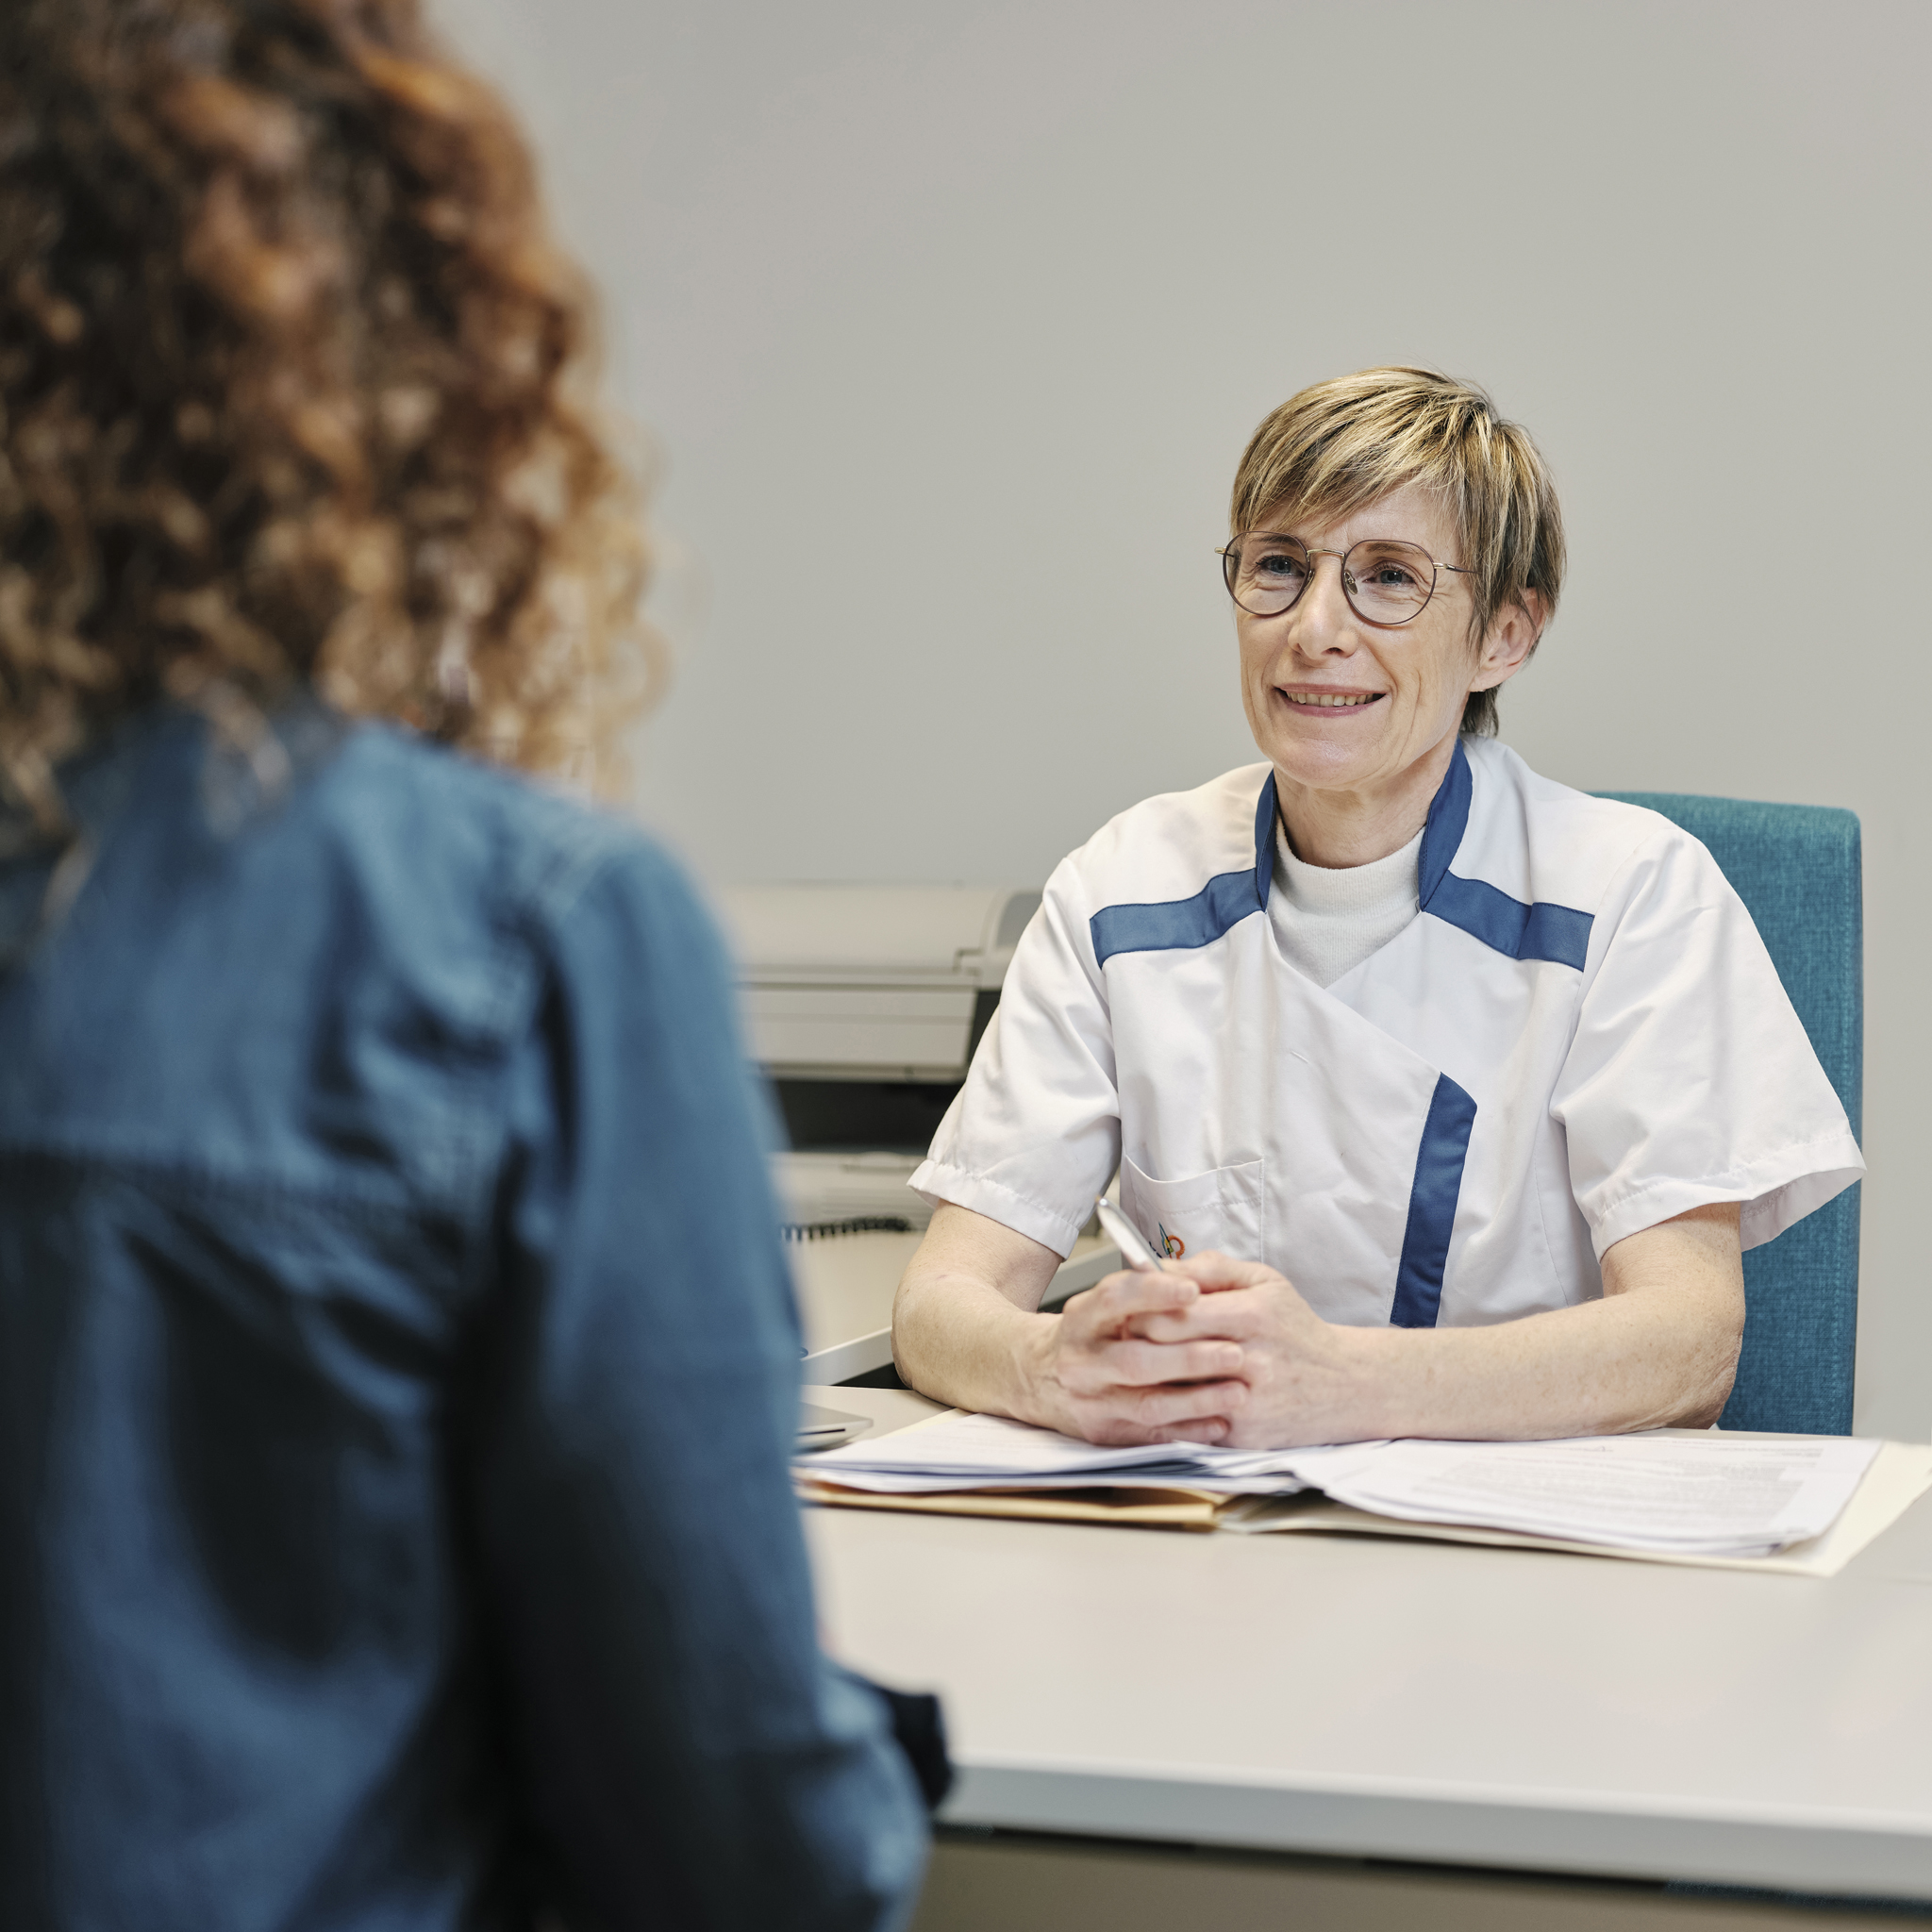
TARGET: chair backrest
(1797,868)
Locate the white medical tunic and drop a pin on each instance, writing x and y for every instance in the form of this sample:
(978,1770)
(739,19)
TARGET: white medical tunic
(1579,1035)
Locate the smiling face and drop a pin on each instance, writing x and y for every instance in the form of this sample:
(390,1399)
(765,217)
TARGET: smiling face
(1358,721)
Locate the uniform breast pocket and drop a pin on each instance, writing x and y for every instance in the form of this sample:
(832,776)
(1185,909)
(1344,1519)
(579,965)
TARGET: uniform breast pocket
(1220,1208)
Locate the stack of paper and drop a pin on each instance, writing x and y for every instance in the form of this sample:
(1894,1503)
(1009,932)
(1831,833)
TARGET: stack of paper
(958,1451)
(1696,1493)
(1693,1495)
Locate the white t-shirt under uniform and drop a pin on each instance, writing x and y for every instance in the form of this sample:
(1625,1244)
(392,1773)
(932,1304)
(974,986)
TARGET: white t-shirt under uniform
(1328,919)
(1576,1034)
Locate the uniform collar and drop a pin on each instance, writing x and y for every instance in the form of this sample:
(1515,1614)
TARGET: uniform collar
(1441,836)
(1448,819)
(1264,840)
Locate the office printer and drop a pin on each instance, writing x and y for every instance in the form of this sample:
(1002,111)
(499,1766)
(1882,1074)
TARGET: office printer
(863,1005)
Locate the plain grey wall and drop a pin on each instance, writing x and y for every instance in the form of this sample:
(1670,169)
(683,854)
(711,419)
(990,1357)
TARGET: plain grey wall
(948,323)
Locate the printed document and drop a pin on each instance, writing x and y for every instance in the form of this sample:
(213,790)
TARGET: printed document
(1689,1493)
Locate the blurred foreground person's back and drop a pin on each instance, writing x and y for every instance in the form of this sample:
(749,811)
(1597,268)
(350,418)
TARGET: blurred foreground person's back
(398,1367)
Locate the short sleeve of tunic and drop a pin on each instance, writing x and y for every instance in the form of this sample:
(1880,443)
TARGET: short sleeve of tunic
(1034,1134)
(1689,1078)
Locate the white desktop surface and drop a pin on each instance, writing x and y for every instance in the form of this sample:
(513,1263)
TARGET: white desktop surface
(1408,1699)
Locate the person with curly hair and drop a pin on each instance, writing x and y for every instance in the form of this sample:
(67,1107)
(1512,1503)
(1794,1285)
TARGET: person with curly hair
(397,1359)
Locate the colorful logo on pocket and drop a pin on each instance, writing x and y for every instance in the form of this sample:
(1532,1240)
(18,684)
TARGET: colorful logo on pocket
(1172,1245)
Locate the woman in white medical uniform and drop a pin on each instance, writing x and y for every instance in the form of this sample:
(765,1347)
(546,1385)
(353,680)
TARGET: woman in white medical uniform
(1454,1094)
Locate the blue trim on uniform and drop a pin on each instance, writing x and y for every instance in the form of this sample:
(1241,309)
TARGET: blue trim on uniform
(1544,930)
(1448,820)
(1175,924)
(1541,931)
(1264,840)
(1169,925)
(1432,1206)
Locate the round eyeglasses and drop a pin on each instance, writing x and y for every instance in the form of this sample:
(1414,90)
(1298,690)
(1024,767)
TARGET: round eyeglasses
(1387,583)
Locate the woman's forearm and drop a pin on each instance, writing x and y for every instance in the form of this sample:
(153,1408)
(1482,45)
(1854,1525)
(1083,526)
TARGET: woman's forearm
(1640,1360)
(1659,1349)
(962,1327)
(958,1339)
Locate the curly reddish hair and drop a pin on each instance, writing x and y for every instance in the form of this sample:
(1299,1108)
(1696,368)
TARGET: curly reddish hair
(293,391)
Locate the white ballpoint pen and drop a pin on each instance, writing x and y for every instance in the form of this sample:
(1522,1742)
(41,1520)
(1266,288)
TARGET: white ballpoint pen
(1135,1251)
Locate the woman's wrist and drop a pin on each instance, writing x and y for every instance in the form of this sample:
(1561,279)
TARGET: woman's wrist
(1371,1398)
(1036,1396)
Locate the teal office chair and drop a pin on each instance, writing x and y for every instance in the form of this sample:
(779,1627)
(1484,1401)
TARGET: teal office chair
(1797,868)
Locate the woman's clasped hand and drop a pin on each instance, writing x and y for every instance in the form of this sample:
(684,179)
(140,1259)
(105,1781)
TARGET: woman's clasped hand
(1213,1350)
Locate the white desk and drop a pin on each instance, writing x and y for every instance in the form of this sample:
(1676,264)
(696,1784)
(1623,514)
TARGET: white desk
(846,1283)
(1409,1701)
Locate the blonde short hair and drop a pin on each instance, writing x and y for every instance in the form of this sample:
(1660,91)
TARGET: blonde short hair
(1341,445)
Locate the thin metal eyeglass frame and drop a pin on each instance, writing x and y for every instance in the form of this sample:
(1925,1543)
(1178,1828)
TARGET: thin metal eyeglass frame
(1228,556)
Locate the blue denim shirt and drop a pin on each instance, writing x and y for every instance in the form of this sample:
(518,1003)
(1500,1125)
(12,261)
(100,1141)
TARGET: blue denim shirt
(397,1374)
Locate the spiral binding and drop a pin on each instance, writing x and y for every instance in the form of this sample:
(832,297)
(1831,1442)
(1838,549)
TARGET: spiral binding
(858,1224)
